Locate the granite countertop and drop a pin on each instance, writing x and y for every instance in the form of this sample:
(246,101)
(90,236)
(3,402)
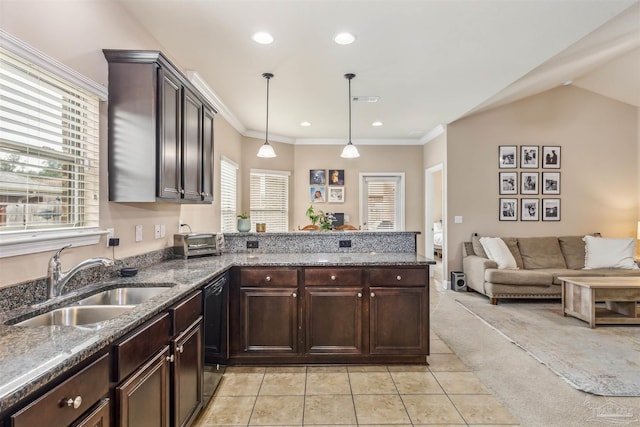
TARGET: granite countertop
(32,356)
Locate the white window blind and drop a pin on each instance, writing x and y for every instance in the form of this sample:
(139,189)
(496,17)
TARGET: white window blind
(383,201)
(228,195)
(269,199)
(49,136)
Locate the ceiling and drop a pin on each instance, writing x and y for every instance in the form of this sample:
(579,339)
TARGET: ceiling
(430,62)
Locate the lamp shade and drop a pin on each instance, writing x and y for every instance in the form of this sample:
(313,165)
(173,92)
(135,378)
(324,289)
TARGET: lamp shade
(350,151)
(266,151)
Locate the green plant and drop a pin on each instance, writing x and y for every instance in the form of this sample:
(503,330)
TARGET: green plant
(325,219)
(313,216)
(243,215)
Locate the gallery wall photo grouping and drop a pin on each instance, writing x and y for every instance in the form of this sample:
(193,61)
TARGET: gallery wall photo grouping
(326,185)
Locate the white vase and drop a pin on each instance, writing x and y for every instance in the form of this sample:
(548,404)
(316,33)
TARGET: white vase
(244,225)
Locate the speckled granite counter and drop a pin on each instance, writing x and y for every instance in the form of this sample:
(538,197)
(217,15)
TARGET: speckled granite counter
(31,356)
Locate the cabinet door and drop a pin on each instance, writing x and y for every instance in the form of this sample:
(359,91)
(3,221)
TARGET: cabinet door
(169,139)
(187,375)
(207,155)
(142,400)
(333,320)
(99,417)
(269,319)
(399,320)
(191,146)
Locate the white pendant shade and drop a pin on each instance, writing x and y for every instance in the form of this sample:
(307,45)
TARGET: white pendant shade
(267,151)
(350,151)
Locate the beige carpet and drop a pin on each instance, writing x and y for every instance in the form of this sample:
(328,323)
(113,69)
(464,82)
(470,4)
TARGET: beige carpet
(603,361)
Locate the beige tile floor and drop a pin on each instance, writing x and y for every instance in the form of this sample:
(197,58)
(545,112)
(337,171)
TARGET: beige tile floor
(444,393)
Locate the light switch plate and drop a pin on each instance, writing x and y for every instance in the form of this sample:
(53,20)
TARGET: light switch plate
(138,233)
(457,219)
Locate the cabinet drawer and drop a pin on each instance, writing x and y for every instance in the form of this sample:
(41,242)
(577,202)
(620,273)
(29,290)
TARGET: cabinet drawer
(398,276)
(332,276)
(268,277)
(186,312)
(141,344)
(52,409)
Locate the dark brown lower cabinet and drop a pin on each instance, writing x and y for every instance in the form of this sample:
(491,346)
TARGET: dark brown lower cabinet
(187,374)
(333,321)
(144,396)
(99,417)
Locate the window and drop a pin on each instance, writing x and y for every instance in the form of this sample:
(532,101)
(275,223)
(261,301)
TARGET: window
(382,203)
(269,199)
(49,143)
(228,195)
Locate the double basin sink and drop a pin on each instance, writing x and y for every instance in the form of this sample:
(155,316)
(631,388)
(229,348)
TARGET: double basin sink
(95,308)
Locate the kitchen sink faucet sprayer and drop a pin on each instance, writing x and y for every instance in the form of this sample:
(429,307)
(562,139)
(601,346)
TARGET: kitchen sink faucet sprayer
(56,279)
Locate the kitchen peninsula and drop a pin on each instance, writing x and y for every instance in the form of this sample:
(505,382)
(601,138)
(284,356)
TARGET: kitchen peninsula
(337,307)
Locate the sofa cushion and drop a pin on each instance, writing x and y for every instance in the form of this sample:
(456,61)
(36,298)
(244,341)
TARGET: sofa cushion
(518,277)
(541,252)
(609,253)
(477,247)
(512,244)
(573,250)
(497,250)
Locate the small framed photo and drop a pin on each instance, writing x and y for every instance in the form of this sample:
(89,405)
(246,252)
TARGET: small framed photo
(508,209)
(317,194)
(551,156)
(507,158)
(317,177)
(508,182)
(550,182)
(336,176)
(551,209)
(336,194)
(529,182)
(529,156)
(529,211)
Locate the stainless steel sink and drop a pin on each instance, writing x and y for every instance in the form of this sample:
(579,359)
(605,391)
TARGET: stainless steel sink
(122,296)
(77,315)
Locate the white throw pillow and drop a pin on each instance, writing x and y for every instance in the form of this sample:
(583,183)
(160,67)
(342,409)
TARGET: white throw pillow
(609,253)
(498,251)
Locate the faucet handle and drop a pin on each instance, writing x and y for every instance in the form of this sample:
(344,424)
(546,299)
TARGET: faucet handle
(56,256)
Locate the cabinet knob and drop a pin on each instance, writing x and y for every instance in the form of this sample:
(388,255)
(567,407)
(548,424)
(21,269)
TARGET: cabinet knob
(294,295)
(333,277)
(182,191)
(75,402)
(180,348)
(359,294)
(171,358)
(267,279)
(398,277)
(372,295)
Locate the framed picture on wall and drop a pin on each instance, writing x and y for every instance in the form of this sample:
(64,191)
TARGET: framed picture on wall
(317,176)
(529,210)
(317,194)
(551,209)
(336,176)
(507,158)
(336,194)
(551,156)
(508,182)
(529,156)
(508,210)
(550,182)
(529,183)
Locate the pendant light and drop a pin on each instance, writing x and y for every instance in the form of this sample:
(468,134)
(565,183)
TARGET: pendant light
(267,150)
(349,151)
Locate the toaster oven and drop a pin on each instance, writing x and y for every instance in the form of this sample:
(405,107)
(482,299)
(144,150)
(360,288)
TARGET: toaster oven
(188,245)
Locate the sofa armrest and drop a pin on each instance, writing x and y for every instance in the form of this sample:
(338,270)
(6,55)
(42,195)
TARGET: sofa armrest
(474,268)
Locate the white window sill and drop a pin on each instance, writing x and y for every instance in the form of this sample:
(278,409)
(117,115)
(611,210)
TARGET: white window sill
(30,242)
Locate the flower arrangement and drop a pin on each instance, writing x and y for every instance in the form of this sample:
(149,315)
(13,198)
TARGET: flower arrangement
(325,220)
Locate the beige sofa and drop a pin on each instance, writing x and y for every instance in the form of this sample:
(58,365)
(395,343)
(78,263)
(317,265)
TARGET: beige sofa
(540,261)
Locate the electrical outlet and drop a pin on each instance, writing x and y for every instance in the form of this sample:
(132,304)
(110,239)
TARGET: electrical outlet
(110,234)
(344,243)
(157,231)
(138,233)
(163,230)
(252,244)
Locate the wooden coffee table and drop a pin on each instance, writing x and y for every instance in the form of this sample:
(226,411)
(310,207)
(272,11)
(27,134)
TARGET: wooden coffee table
(619,294)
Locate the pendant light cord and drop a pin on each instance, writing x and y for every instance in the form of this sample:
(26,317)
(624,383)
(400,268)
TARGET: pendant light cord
(349,77)
(268,77)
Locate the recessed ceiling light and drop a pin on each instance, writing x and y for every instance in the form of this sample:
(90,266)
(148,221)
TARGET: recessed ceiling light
(305,123)
(344,38)
(376,124)
(262,37)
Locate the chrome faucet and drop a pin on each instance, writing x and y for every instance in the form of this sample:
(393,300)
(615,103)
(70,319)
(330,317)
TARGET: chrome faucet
(56,279)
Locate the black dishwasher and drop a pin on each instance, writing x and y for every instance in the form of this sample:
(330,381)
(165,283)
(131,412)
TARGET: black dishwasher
(215,333)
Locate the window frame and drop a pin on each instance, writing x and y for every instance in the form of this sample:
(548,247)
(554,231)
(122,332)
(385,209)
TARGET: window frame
(223,219)
(400,197)
(286,174)
(22,242)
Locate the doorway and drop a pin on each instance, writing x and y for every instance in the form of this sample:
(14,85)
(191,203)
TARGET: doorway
(435,226)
